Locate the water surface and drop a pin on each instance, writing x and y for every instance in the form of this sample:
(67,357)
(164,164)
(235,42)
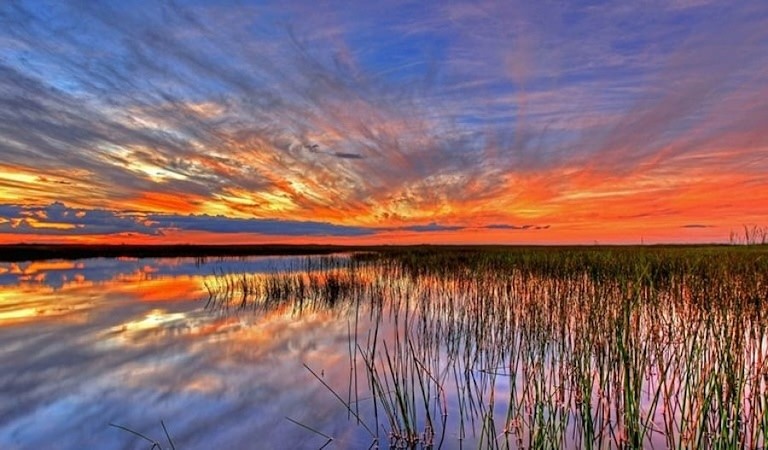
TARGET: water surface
(130,341)
(531,348)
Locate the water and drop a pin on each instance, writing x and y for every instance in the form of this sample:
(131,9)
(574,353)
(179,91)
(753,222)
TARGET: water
(285,352)
(87,343)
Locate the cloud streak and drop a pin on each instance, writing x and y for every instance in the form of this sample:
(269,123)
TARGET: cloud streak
(398,116)
(58,220)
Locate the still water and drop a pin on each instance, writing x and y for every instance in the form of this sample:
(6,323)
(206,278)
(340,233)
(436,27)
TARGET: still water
(130,341)
(376,352)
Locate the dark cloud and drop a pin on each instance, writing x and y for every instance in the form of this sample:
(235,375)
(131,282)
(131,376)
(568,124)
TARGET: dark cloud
(48,220)
(503,226)
(10,211)
(99,221)
(697,225)
(431,228)
(348,155)
(218,224)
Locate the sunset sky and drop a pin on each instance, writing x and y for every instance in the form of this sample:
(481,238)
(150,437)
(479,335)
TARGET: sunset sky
(382,122)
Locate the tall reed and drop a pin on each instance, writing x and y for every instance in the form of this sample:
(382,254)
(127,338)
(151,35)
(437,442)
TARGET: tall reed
(543,347)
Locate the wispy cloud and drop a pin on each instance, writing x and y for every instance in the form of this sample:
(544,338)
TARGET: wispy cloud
(397,115)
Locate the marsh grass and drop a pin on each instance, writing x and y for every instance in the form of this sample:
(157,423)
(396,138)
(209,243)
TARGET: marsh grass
(542,348)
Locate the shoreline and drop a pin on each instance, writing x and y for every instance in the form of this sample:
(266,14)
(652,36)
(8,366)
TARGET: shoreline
(38,252)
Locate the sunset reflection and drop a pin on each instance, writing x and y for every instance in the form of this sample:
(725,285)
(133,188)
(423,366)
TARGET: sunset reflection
(34,302)
(195,344)
(65,289)
(137,335)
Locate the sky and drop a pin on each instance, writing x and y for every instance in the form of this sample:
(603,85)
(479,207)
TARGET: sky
(392,122)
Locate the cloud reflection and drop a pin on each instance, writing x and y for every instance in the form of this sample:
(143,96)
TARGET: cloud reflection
(134,363)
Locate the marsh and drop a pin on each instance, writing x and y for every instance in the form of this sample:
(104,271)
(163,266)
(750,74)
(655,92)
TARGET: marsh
(409,348)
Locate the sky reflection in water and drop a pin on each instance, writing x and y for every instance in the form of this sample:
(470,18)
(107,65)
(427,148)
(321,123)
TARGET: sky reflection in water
(86,343)
(503,355)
